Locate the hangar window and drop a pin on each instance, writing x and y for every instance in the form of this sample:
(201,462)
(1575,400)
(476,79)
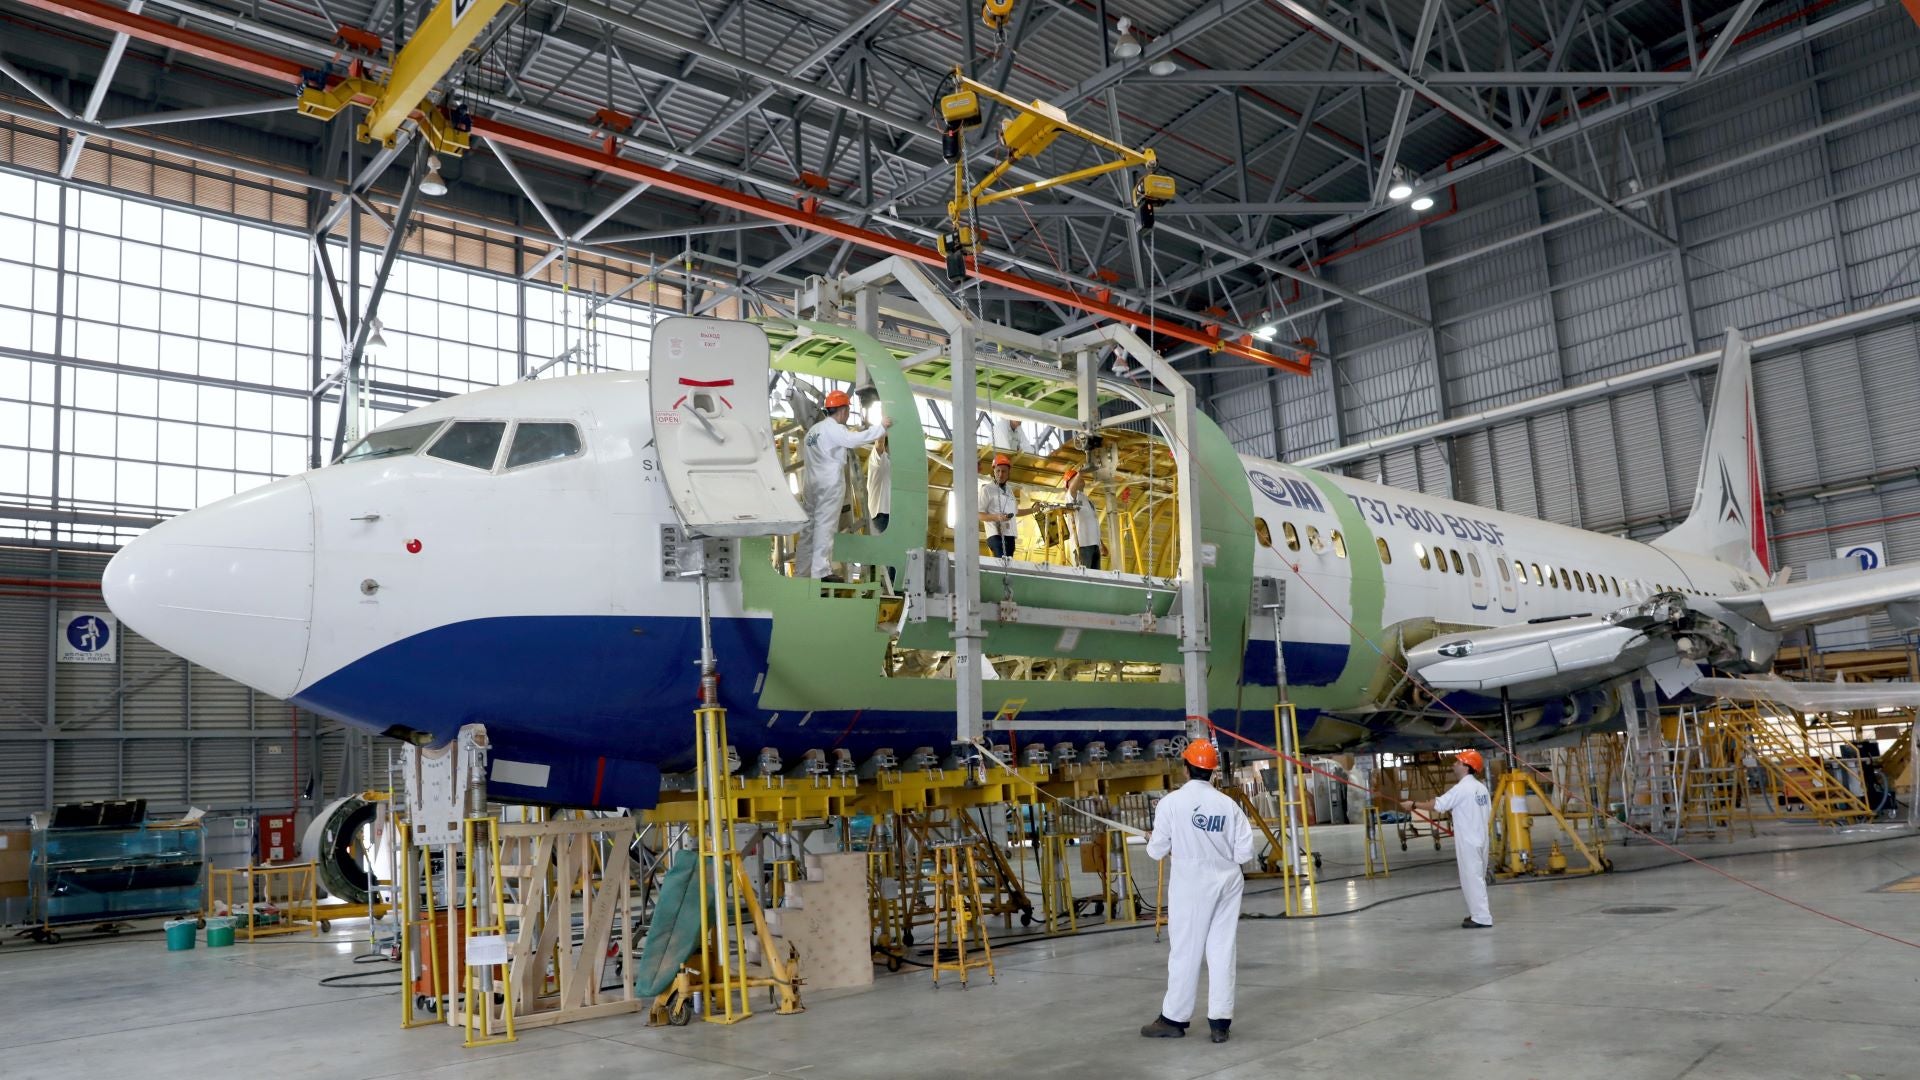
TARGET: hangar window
(1339,544)
(473,443)
(1420,552)
(1262,532)
(1292,535)
(392,442)
(537,442)
(1386,553)
(1457,568)
(1474,562)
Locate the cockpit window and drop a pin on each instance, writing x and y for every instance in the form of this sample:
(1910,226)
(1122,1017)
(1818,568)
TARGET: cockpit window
(391,442)
(474,443)
(542,442)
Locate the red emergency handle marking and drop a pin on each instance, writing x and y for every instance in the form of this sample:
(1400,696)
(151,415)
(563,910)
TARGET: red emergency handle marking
(413,547)
(676,404)
(684,381)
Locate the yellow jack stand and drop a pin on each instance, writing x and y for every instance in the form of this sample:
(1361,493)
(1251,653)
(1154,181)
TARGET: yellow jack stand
(1511,853)
(956,914)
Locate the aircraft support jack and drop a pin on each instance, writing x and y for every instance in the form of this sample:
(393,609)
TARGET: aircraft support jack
(1512,849)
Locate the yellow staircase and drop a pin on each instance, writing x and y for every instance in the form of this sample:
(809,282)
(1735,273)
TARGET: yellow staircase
(1792,758)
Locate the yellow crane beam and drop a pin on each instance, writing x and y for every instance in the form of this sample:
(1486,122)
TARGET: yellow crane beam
(440,40)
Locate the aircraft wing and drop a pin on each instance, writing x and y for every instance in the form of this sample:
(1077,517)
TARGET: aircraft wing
(1813,697)
(1894,589)
(1558,656)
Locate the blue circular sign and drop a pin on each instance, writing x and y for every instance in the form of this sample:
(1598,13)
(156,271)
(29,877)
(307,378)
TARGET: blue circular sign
(1868,558)
(88,633)
(1269,487)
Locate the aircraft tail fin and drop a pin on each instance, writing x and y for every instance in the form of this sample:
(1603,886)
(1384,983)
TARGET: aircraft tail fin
(1729,518)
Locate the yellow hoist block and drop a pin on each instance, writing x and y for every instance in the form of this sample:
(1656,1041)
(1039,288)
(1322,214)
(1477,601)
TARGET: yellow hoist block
(1154,188)
(961,108)
(996,14)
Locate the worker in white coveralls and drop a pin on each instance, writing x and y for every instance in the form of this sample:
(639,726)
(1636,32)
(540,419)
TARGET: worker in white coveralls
(1210,839)
(826,447)
(1467,800)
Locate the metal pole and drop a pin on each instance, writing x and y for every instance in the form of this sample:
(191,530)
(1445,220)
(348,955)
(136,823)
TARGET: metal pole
(967,634)
(1289,774)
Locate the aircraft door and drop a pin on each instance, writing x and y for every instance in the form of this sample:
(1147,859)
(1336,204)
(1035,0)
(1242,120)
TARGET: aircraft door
(1509,589)
(1477,571)
(713,428)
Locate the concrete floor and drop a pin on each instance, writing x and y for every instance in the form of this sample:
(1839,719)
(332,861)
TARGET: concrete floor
(1730,984)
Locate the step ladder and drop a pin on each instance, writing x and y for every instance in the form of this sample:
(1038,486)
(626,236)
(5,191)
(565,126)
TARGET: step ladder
(1792,759)
(957,914)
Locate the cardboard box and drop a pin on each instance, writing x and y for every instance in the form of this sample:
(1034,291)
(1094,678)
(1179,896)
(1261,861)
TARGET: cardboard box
(16,845)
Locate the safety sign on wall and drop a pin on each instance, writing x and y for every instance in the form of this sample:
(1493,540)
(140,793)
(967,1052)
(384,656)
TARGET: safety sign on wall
(86,637)
(1869,556)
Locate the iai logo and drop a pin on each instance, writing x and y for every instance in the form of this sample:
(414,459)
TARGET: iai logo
(1869,556)
(87,637)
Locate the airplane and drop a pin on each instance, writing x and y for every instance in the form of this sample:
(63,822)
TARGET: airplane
(498,558)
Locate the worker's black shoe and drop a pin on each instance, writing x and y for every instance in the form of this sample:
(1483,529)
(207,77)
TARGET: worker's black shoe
(1163,1028)
(835,579)
(1468,924)
(1218,1029)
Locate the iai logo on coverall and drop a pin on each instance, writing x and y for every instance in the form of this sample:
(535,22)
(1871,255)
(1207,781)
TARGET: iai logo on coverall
(1214,823)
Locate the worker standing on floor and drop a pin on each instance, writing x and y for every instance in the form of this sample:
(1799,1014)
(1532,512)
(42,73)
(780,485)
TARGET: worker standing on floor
(1472,808)
(825,449)
(1210,839)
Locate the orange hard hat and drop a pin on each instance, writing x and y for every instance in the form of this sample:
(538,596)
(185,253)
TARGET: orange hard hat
(1472,760)
(1002,459)
(1071,473)
(837,399)
(1201,755)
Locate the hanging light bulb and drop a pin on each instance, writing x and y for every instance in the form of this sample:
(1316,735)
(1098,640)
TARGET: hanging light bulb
(431,184)
(1267,332)
(377,340)
(1422,203)
(1127,45)
(1162,67)
(1401,186)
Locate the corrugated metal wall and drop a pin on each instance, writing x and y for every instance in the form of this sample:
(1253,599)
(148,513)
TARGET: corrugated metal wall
(1827,226)
(151,726)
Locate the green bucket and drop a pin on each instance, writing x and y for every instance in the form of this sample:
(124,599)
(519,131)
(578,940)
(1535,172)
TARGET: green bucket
(180,934)
(219,933)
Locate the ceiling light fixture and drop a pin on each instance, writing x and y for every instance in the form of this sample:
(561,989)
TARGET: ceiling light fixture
(1267,332)
(1126,46)
(1401,186)
(431,184)
(1422,203)
(1162,67)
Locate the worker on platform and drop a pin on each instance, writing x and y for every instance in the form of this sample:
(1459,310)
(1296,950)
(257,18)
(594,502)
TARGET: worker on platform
(1472,808)
(1210,839)
(1086,520)
(1000,511)
(879,486)
(825,449)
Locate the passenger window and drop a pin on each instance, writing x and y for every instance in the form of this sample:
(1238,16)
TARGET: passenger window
(1457,568)
(474,443)
(1386,553)
(1591,587)
(1440,559)
(1339,544)
(1501,565)
(1520,571)
(1474,562)
(1261,531)
(1603,584)
(1420,552)
(1537,579)
(542,442)
(392,442)
(1577,583)
(1552,580)
(1565,577)
(1616,587)
(1292,535)
(1313,539)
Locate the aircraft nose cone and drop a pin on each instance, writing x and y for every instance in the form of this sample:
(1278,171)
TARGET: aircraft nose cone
(228,586)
